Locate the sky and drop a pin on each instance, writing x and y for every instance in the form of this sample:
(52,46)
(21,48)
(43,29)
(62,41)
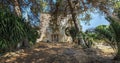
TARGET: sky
(28,14)
(96,20)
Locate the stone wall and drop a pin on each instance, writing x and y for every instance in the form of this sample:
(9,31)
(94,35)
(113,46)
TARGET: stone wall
(46,33)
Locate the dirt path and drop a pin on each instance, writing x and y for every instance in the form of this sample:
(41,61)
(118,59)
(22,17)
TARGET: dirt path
(54,53)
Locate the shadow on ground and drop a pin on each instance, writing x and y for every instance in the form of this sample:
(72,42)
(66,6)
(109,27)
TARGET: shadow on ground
(54,53)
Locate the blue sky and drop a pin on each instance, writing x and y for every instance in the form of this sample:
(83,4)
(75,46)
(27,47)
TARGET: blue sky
(96,20)
(28,14)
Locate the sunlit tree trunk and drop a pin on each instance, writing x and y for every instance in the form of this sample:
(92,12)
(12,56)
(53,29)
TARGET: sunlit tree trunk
(17,7)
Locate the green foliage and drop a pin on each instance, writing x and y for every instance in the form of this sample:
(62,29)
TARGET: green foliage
(111,33)
(30,33)
(71,31)
(104,32)
(117,5)
(67,31)
(114,28)
(117,9)
(41,5)
(13,30)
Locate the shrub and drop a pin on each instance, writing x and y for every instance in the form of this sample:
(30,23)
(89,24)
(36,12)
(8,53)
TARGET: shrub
(13,30)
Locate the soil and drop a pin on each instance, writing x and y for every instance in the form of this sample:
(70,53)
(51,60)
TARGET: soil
(59,53)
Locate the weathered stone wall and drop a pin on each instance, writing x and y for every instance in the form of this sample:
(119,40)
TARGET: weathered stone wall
(46,33)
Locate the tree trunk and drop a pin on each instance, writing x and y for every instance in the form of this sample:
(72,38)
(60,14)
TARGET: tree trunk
(76,23)
(24,43)
(73,15)
(117,57)
(17,7)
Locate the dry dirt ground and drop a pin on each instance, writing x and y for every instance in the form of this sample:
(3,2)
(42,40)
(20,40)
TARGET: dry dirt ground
(59,53)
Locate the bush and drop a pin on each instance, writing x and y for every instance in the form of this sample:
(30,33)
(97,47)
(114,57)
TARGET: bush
(13,30)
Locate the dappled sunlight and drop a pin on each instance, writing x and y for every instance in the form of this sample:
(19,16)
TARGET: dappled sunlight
(10,60)
(105,50)
(13,56)
(55,53)
(40,53)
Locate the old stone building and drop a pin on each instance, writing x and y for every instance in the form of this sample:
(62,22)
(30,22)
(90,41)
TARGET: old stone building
(48,35)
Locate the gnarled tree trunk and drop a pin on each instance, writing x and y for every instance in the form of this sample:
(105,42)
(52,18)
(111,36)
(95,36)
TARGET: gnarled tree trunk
(76,23)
